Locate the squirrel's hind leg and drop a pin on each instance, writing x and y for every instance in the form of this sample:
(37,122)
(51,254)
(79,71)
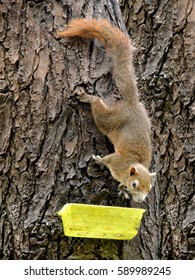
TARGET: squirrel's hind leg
(101,112)
(96,102)
(82,96)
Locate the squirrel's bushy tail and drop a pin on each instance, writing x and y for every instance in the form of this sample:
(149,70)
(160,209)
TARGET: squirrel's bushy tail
(117,46)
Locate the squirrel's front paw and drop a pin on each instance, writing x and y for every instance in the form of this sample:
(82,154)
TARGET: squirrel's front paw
(81,95)
(123,191)
(97,159)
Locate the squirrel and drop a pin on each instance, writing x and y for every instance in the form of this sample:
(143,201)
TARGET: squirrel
(125,122)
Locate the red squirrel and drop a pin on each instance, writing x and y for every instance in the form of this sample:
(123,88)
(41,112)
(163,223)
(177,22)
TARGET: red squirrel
(126,122)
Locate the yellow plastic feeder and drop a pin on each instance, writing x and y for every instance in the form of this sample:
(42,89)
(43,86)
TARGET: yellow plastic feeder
(95,221)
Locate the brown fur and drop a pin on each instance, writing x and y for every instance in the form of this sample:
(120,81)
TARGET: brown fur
(125,123)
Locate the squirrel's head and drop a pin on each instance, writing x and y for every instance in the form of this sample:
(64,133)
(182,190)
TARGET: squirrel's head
(139,182)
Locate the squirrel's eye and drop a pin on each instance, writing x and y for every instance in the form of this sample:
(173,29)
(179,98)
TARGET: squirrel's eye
(134,184)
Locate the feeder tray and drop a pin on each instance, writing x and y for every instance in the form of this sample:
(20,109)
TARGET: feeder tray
(95,221)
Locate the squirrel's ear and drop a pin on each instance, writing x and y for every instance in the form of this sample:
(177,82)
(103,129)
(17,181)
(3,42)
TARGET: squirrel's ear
(153,174)
(133,171)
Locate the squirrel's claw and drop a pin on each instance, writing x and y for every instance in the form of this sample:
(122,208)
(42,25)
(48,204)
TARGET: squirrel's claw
(97,159)
(81,95)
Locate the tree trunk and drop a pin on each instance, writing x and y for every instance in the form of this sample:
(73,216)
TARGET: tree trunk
(47,136)
(163,33)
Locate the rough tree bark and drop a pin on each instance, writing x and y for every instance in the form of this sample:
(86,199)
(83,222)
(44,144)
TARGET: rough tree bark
(163,33)
(47,136)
